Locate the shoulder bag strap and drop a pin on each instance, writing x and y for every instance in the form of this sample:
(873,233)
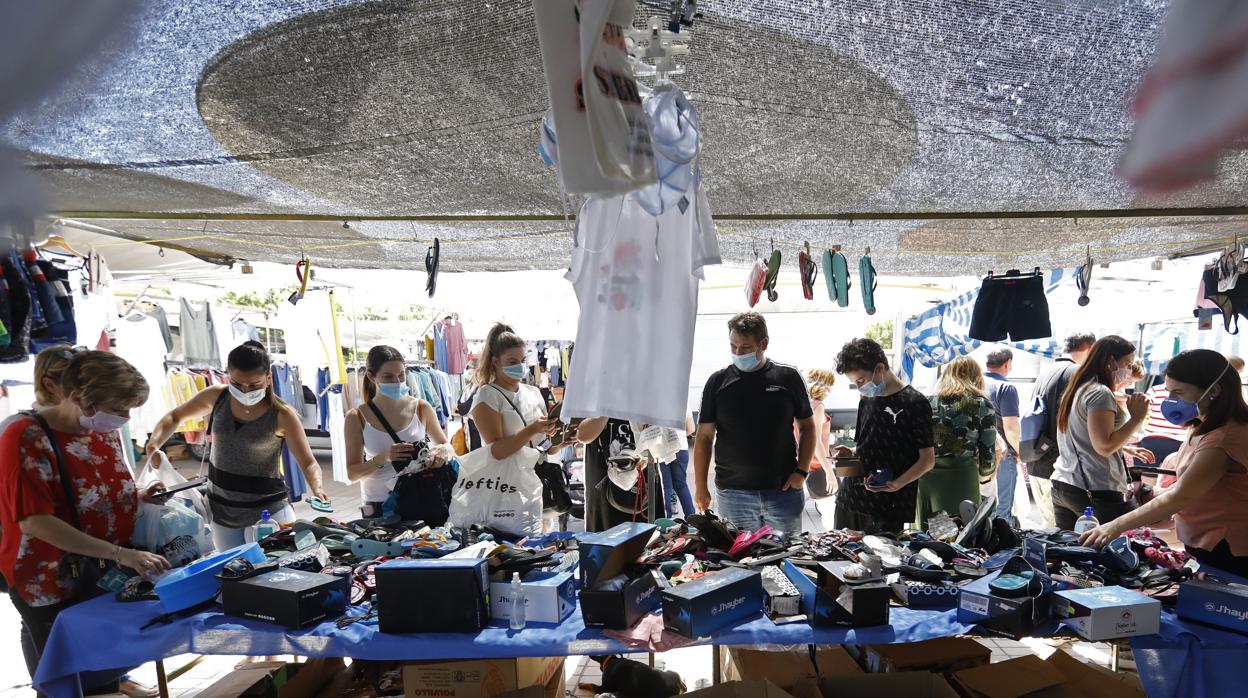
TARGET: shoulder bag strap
(225,395)
(381,418)
(509,402)
(60,466)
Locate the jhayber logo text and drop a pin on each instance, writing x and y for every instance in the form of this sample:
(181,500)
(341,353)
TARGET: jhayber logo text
(727,606)
(647,594)
(1225,610)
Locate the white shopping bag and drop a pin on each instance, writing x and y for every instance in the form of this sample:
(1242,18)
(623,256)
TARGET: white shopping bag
(164,473)
(503,494)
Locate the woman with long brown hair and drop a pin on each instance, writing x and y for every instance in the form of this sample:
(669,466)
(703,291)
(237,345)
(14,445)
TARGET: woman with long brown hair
(509,414)
(249,424)
(371,450)
(1210,499)
(1094,433)
(964,427)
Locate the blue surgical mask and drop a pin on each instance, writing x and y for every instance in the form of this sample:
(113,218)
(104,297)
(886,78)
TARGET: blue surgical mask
(745,362)
(394,391)
(871,388)
(516,372)
(1180,412)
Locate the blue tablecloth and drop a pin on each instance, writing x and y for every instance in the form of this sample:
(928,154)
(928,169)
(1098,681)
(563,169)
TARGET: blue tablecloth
(103,634)
(1185,659)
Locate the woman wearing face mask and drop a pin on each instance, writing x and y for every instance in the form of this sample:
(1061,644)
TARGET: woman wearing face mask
(248,424)
(99,390)
(1210,499)
(503,405)
(1093,433)
(370,447)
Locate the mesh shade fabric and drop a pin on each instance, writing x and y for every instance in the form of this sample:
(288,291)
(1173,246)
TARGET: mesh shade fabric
(432,108)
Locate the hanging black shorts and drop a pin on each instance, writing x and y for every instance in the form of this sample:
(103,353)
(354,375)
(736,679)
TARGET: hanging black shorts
(1013,307)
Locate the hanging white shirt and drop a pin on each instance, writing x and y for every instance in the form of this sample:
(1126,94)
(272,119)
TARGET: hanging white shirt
(140,342)
(636,279)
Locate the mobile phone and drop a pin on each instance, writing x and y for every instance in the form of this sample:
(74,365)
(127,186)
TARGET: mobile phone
(188,485)
(555,410)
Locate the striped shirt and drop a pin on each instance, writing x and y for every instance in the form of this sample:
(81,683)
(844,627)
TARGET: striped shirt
(1157,425)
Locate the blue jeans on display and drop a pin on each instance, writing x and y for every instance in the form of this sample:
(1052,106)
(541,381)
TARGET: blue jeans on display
(750,510)
(676,486)
(1007,477)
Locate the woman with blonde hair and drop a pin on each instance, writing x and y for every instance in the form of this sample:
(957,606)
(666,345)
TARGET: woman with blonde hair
(819,382)
(67,498)
(965,430)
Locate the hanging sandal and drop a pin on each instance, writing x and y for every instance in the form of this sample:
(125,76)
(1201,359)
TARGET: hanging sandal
(836,274)
(431,266)
(754,284)
(773,275)
(866,277)
(808,270)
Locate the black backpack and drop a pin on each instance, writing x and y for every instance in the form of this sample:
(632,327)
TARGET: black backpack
(423,496)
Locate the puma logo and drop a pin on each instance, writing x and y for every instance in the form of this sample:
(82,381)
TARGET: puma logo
(893,414)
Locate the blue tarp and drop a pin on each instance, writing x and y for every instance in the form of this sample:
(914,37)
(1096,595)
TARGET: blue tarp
(103,634)
(1183,660)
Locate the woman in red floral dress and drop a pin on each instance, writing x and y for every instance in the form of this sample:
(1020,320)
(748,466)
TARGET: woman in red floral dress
(100,389)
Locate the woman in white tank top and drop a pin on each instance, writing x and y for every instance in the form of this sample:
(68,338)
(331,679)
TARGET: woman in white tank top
(370,449)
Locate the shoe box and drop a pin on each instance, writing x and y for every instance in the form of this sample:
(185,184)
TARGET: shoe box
(548,597)
(293,598)
(1107,613)
(1015,616)
(831,600)
(445,595)
(787,667)
(610,554)
(718,600)
(925,594)
(1223,605)
(483,678)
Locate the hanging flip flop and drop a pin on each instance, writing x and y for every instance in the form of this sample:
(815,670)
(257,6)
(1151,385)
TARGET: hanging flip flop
(866,276)
(808,270)
(827,275)
(431,266)
(773,274)
(303,272)
(754,284)
(1083,279)
(838,278)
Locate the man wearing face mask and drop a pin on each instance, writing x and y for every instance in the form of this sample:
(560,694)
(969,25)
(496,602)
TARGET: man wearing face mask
(747,416)
(894,444)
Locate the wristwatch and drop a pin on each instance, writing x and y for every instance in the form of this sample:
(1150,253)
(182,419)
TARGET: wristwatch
(804,473)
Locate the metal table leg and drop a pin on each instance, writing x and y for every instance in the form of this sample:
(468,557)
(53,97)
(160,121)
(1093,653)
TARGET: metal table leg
(716,677)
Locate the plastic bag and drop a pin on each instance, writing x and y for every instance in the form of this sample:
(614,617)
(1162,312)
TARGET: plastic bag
(172,530)
(503,494)
(164,473)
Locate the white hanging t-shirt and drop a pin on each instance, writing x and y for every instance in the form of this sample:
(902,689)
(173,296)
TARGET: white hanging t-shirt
(636,279)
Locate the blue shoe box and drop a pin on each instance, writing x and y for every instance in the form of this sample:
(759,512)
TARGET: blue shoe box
(610,553)
(926,595)
(1012,615)
(718,600)
(833,601)
(617,610)
(444,595)
(1223,605)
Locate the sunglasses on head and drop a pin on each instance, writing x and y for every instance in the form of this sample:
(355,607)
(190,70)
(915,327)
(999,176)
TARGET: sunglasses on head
(69,353)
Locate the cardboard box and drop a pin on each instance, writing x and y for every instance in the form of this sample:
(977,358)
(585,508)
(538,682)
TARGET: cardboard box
(612,552)
(908,684)
(718,600)
(548,598)
(742,689)
(483,678)
(863,605)
(1012,678)
(1107,613)
(943,655)
(438,596)
(293,598)
(1223,605)
(307,680)
(256,680)
(789,667)
(1093,681)
(622,609)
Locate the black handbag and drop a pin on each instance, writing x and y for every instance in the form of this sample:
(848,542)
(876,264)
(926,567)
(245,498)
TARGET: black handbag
(423,496)
(555,497)
(80,572)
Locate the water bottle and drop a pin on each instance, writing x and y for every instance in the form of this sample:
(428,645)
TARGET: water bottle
(1087,522)
(517,602)
(266,526)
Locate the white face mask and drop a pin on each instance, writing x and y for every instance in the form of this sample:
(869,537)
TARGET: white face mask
(103,422)
(248,399)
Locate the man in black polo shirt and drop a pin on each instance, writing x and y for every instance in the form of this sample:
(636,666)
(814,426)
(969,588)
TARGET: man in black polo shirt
(894,442)
(747,416)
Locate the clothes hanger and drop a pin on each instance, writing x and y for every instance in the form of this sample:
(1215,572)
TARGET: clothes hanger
(56,242)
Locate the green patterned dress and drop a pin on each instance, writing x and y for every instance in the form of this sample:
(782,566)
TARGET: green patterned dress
(965,430)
